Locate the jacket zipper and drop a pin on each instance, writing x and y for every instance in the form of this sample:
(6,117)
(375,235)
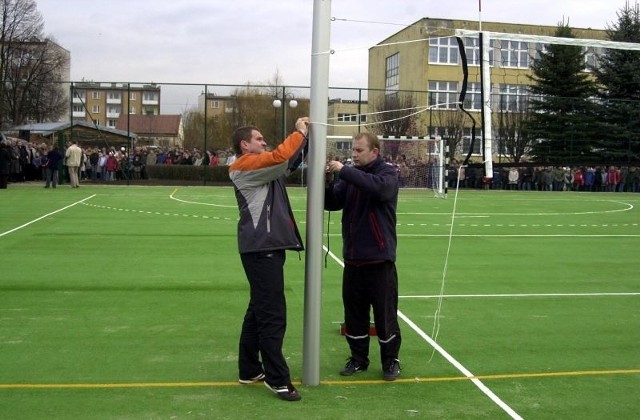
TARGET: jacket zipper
(269,218)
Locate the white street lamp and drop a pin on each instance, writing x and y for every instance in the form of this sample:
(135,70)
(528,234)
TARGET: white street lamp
(278,103)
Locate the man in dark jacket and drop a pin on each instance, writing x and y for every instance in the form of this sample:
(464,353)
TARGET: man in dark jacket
(266,229)
(54,157)
(367,193)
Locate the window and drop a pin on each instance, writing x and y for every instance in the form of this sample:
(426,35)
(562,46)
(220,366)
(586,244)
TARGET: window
(95,94)
(472,50)
(512,98)
(78,108)
(132,96)
(150,96)
(473,97)
(95,109)
(392,83)
(443,95)
(114,96)
(466,142)
(215,104)
(591,58)
(514,54)
(443,51)
(343,145)
(540,49)
(351,118)
(112,123)
(132,110)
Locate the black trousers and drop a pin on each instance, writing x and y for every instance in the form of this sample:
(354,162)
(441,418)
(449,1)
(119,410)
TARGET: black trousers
(265,321)
(365,287)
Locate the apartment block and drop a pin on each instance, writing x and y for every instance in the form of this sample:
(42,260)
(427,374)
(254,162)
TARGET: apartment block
(104,103)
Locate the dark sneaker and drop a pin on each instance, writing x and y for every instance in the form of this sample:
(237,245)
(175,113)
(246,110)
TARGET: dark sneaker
(392,370)
(352,367)
(285,392)
(257,378)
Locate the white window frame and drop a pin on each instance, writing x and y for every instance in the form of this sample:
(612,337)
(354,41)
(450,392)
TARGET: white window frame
(392,73)
(150,96)
(472,50)
(95,94)
(443,50)
(95,109)
(514,54)
(350,117)
(466,142)
(591,58)
(443,94)
(473,97)
(516,98)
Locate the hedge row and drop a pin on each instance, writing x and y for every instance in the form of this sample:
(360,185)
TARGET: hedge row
(202,174)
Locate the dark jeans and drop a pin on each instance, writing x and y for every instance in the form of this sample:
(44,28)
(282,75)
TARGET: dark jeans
(365,287)
(52,177)
(265,321)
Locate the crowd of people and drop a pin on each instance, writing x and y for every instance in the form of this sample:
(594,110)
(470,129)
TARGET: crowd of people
(549,178)
(26,161)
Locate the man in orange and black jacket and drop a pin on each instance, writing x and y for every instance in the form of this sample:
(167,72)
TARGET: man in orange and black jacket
(266,229)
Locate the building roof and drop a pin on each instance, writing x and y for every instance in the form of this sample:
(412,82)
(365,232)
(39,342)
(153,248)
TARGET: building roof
(165,125)
(48,128)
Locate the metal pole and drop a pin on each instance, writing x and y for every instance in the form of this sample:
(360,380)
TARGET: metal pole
(284,114)
(205,169)
(485,68)
(315,197)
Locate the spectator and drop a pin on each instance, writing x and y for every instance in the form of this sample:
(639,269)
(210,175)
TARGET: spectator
(54,157)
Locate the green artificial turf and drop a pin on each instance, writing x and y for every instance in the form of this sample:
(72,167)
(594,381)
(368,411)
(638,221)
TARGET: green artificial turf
(126,302)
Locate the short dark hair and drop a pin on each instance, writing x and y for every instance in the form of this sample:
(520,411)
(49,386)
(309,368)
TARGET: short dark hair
(242,133)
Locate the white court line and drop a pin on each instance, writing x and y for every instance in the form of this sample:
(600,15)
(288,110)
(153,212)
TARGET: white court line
(198,202)
(524,295)
(477,382)
(46,215)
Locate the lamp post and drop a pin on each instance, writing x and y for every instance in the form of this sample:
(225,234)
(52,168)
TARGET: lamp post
(277,103)
(280,103)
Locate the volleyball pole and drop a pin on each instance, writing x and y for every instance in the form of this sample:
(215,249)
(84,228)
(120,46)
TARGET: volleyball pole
(320,45)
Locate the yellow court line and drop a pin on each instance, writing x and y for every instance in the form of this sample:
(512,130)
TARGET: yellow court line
(341,382)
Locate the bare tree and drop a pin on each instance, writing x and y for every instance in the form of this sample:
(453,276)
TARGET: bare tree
(393,115)
(513,140)
(450,126)
(30,67)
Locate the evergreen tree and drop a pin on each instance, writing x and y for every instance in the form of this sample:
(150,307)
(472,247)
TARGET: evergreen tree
(619,79)
(562,112)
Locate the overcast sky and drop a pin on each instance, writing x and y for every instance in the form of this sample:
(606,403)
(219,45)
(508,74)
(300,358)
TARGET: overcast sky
(240,41)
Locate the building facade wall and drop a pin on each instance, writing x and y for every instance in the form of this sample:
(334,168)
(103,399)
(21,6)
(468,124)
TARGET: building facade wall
(417,72)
